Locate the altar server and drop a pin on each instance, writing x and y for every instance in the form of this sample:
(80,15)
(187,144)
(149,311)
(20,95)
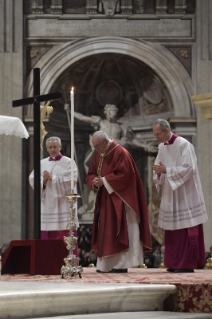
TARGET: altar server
(55,184)
(182,210)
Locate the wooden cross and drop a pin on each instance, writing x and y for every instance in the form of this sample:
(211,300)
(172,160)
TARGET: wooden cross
(35,100)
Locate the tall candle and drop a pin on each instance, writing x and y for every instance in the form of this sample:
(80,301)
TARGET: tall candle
(72,139)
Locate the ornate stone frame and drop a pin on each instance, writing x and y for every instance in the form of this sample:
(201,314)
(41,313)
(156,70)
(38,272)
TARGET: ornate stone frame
(168,67)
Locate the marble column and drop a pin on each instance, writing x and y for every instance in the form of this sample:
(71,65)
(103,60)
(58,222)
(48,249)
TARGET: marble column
(11,88)
(204,85)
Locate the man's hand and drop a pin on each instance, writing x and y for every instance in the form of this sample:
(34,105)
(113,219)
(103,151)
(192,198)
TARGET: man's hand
(98,181)
(46,176)
(159,169)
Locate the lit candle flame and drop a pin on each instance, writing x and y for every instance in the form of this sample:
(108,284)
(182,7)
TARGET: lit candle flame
(72,139)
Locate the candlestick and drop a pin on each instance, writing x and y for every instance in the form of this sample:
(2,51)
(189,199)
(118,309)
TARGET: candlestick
(72,139)
(71,268)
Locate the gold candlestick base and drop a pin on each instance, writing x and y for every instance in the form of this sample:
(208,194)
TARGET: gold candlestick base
(162,264)
(71,268)
(208,264)
(142,266)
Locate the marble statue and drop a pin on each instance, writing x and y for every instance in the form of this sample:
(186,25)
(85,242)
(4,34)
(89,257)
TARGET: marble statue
(121,133)
(109,6)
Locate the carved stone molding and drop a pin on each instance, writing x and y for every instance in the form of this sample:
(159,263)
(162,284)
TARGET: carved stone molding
(176,79)
(91,6)
(97,6)
(56,6)
(109,7)
(180,6)
(138,6)
(184,56)
(204,101)
(161,6)
(126,6)
(33,54)
(37,7)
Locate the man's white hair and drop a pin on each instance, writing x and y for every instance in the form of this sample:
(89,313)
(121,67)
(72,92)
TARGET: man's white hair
(53,138)
(101,135)
(163,124)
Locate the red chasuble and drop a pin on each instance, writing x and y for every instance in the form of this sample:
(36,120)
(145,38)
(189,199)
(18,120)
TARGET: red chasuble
(109,234)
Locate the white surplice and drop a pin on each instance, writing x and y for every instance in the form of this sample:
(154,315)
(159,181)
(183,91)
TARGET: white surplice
(54,204)
(182,203)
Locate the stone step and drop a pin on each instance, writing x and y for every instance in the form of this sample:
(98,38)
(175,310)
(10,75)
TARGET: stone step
(137,315)
(47,299)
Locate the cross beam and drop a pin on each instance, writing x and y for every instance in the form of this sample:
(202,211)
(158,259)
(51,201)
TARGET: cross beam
(35,100)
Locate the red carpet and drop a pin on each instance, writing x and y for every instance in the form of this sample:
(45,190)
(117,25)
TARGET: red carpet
(194,289)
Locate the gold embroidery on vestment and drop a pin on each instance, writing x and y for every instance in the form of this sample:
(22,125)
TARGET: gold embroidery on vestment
(101,159)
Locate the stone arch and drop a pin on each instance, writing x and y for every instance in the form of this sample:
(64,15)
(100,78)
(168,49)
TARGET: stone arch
(171,71)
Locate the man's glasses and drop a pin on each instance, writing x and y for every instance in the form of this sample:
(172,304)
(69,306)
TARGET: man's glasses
(158,134)
(52,147)
(96,146)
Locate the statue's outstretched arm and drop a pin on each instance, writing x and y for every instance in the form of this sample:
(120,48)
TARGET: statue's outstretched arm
(132,141)
(148,147)
(93,119)
(83,118)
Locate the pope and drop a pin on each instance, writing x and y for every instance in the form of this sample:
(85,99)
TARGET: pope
(120,227)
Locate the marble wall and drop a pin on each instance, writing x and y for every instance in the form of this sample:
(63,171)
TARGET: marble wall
(11,88)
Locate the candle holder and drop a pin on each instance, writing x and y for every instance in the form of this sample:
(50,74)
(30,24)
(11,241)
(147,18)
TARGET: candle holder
(71,268)
(142,266)
(208,264)
(162,264)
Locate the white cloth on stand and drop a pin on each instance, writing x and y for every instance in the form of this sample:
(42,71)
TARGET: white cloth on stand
(54,204)
(12,126)
(182,203)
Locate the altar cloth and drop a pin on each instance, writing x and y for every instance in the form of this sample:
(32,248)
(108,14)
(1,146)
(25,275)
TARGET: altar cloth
(10,125)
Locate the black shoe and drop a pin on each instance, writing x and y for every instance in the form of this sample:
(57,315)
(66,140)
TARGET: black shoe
(183,270)
(103,272)
(114,270)
(170,270)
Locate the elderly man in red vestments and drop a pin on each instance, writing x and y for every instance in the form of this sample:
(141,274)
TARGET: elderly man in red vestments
(120,227)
